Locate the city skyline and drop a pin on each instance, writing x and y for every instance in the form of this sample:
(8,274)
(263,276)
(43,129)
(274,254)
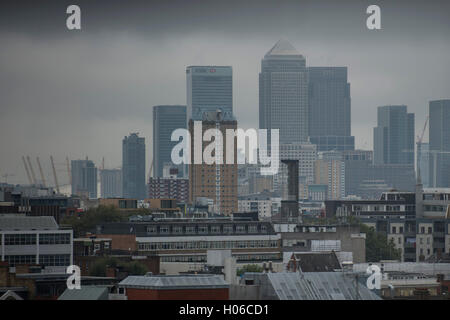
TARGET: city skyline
(112,96)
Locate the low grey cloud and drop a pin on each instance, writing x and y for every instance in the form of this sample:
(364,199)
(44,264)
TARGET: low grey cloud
(78,93)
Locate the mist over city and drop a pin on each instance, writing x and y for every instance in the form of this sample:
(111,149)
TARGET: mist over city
(224,150)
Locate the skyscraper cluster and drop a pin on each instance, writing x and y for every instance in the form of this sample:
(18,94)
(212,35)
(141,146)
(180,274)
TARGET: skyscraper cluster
(311,108)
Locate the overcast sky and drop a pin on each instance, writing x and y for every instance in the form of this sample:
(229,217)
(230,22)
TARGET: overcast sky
(78,93)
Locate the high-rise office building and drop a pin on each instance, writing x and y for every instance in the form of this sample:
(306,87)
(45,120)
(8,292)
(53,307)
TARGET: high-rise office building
(393,138)
(283,93)
(423,163)
(329,109)
(439,147)
(216,182)
(111,183)
(133,167)
(166,119)
(209,88)
(84,178)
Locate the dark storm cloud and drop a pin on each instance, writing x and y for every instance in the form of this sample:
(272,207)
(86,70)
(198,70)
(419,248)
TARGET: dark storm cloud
(77,93)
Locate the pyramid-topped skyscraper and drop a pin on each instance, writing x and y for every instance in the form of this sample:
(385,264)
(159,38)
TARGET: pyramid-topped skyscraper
(283,93)
(283,48)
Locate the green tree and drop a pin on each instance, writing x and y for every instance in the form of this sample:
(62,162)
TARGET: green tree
(88,220)
(134,268)
(249,268)
(378,247)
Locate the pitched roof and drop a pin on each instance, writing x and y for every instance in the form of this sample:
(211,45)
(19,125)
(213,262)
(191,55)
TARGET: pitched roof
(318,286)
(86,293)
(174,282)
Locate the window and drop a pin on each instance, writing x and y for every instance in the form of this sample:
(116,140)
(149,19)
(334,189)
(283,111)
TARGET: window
(55,260)
(20,259)
(164,230)
(215,229)
(400,230)
(20,239)
(151,229)
(203,229)
(106,245)
(430,230)
(54,238)
(190,230)
(252,228)
(240,229)
(228,228)
(394,230)
(177,230)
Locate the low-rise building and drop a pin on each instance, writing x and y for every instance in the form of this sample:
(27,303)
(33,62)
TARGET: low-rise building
(35,241)
(187,240)
(183,287)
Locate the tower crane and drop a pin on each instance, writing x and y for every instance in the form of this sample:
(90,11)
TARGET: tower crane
(419,151)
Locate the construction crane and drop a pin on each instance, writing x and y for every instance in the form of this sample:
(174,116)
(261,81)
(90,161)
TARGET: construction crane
(42,173)
(419,151)
(54,174)
(27,170)
(150,172)
(31,170)
(432,153)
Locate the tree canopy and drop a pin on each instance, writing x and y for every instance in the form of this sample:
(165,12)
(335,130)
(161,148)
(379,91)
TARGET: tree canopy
(378,247)
(88,220)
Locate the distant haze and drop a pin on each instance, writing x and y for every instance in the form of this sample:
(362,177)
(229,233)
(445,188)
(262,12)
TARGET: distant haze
(78,93)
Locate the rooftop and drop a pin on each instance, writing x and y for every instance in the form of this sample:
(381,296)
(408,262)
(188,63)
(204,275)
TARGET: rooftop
(86,293)
(283,48)
(174,282)
(12,223)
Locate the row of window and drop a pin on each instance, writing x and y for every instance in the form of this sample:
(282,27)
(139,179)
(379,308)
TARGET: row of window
(54,238)
(181,245)
(240,257)
(215,229)
(30,239)
(54,259)
(46,260)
